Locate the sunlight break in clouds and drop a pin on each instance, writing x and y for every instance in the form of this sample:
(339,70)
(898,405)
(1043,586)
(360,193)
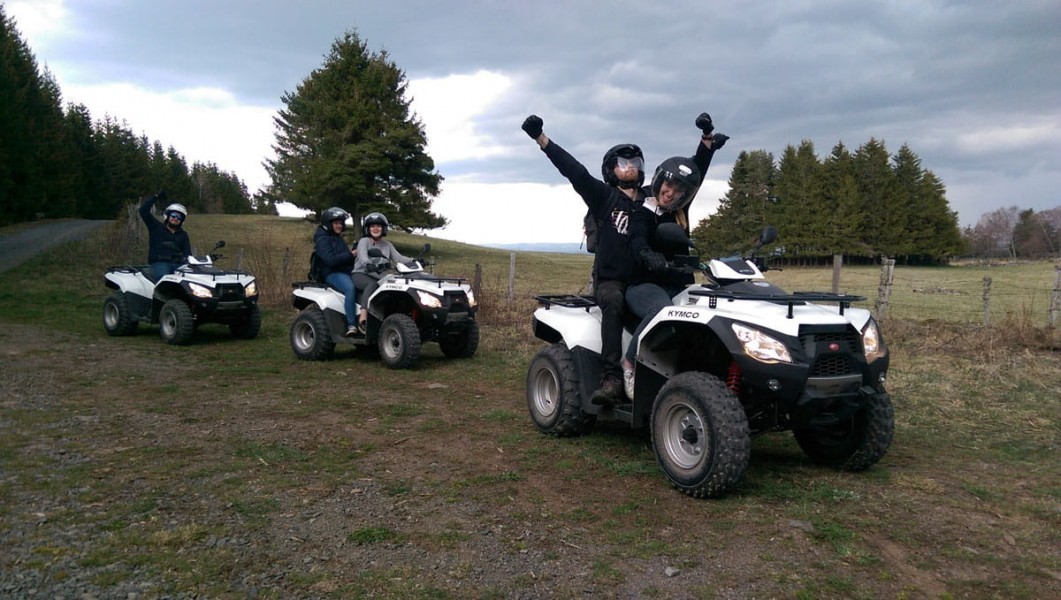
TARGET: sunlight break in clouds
(447,107)
(38,20)
(202,124)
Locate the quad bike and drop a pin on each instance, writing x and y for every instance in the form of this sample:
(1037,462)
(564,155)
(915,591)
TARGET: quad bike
(730,359)
(409,307)
(197,293)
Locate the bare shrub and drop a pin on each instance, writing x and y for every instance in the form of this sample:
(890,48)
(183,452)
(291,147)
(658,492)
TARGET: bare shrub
(496,309)
(274,267)
(1015,332)
(124,242)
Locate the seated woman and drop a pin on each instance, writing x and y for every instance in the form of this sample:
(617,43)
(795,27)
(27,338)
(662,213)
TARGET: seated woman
(375,226)
(674,185)
(338,260)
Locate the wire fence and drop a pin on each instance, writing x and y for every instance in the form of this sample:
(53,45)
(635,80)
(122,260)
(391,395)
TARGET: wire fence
(980,294)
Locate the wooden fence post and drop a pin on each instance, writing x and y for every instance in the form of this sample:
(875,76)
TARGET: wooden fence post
(285,268)
(1055,297)
(477,282)
(511,276)
(884,289)
(838,262)
(987,301)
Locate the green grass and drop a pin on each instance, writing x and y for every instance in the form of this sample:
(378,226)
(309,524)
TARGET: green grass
(160,455)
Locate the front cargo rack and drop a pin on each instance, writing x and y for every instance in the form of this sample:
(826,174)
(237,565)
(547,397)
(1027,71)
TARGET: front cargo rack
(793,299)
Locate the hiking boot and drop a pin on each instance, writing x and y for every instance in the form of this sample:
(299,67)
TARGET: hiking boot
(610,392)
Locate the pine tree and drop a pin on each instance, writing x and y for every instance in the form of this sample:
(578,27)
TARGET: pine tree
(745,208)
(347,138)
(800,200)
(841,217)
(876,189)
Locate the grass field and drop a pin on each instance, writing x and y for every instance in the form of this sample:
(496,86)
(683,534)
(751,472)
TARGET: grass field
(229,469)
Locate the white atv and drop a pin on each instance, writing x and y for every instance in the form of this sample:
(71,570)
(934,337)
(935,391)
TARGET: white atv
(731,359)
(197,293)
(409,307)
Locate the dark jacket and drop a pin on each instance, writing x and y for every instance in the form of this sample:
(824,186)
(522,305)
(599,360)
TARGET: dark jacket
(643,226)
(332,251)
(611,208)
(158,234)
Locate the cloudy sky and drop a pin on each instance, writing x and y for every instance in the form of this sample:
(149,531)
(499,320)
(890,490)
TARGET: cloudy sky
(973,87)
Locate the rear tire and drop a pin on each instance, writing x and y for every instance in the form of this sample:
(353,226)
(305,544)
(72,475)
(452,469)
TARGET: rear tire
(248,327)
(553,396)
(399,341)
(460,341)
(117,318)
(700,435)
(176,322)
(310,337)
(855,444)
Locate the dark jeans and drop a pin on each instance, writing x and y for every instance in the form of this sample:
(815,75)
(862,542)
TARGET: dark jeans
(162,268)
(345,284)
(645,300)
(609,293)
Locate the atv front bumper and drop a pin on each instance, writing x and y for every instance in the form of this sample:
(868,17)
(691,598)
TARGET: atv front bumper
(811,394)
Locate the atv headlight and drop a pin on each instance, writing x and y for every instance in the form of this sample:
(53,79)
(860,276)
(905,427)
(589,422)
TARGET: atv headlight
(471,298)
(871,341)
(760,346)
(251,289)
(429,300)
(200,291)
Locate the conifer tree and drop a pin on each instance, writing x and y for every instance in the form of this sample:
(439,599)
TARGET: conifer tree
(347,138)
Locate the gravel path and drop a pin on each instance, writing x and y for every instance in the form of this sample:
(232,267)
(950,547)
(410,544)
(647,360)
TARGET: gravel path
(16,248)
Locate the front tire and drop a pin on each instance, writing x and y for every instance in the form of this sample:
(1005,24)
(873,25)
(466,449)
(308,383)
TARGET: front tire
(310,337)
(553,396)
(248,327)
(176,323)
(461,341)
(855,444)
(399,341)
(700,435)
(117,317)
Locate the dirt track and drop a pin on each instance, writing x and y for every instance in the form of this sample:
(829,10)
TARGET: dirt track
(17,247)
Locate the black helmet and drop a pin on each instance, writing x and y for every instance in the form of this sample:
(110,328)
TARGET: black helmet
(375,219)
(680,172)
(334,214)
(612,156)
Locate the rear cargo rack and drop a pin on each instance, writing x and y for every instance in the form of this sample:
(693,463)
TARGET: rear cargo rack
(567,301)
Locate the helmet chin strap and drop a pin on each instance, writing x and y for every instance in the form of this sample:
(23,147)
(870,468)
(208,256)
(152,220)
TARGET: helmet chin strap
(628,185)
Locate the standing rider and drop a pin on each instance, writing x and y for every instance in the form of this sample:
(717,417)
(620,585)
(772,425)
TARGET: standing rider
(338,260)
(165,258)
(611,203)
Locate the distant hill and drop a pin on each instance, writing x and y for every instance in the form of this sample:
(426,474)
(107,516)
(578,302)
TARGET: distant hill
(564,248)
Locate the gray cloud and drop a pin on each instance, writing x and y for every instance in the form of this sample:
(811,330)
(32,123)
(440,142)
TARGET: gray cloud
(973,87)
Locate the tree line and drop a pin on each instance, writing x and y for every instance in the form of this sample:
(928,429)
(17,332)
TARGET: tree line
(1012,233)
(57,161)
(863,205)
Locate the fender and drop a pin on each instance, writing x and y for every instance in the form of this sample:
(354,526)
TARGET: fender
(325,298)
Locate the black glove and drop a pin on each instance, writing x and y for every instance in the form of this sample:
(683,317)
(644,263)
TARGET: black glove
(160,196)
(703,122)
(718,140)
(653,261)
(533,126)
